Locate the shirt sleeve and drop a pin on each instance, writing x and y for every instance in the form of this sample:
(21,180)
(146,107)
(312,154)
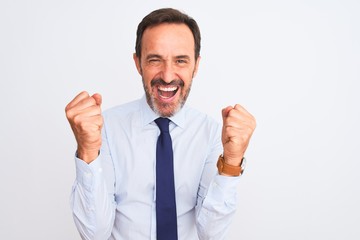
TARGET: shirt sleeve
(218,208)
(92,198)
(217,198)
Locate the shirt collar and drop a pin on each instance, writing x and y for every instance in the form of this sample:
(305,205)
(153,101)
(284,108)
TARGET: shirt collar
(148,115)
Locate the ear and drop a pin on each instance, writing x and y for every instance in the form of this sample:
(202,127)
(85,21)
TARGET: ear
(196,66)
(137,63)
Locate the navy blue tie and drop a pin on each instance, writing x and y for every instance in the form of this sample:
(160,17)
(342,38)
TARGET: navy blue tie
(166,219)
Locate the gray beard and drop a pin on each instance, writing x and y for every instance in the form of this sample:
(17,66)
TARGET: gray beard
(153,105)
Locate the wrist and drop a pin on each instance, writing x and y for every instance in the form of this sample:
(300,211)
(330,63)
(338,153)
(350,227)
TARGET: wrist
(233,161)
(87,155)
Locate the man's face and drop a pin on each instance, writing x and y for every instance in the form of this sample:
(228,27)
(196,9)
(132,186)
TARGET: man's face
(167,66)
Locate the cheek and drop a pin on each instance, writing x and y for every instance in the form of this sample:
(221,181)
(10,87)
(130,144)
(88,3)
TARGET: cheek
(187,79)
(148,75)
(146,78)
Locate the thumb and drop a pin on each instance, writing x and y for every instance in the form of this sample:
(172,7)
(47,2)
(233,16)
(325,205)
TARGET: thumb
(97,98)
(225,112)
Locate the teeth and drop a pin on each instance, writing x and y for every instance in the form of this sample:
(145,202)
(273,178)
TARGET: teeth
(167,89)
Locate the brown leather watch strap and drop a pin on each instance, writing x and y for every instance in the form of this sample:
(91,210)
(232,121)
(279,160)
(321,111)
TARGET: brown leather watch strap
(227,169)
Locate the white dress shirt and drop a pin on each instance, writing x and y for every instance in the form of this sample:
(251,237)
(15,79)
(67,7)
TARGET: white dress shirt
(114,196)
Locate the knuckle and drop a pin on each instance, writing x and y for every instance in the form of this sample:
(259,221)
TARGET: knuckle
(84,93)
(77,120)
(68,110)
(237,106)
(98,109)
(91,100)
(68,114)
(232,113)
(228,130)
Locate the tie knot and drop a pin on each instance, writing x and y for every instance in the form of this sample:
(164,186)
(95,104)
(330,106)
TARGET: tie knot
(163,124)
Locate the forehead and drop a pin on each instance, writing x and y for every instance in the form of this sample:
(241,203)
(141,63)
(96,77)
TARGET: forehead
(168,38)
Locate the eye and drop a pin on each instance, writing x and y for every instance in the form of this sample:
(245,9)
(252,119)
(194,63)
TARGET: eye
(154,61)
(181,61)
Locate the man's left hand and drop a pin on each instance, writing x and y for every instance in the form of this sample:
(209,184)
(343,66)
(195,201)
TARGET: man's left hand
(238,127)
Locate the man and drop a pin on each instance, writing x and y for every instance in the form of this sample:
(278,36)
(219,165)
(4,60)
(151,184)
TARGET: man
(120,173)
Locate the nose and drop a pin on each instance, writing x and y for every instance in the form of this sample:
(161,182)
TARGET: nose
(168,72)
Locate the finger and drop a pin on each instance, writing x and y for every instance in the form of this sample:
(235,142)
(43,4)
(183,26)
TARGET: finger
(242,110)
(237,110)
(94,100)
(225,112)
(92,110)
(84,114)
(82,95)
(88,125)
(84,104)
(233,123)
(98,98)
(92,121)
(241,122)
(229,132)
(97,120)
(239,107)
(235,115)
(242,131)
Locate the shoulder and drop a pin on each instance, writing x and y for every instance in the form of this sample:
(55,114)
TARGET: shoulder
(198,119)
(201,128)
(123,109)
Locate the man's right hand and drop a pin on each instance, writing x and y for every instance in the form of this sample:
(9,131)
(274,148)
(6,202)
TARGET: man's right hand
(84,116)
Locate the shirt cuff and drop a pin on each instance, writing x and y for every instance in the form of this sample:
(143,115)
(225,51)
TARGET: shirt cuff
(87,174)
(224,189)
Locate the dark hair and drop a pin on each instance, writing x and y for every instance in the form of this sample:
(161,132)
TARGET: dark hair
(167,15)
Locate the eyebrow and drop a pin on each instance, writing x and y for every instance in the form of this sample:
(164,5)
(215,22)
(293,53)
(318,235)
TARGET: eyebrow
(153,56)
(159,56)
(183,57)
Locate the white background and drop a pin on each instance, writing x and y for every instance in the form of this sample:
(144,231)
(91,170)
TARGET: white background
(294,64)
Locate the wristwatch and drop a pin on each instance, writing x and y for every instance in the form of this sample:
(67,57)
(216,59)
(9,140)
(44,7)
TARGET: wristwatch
(231,170)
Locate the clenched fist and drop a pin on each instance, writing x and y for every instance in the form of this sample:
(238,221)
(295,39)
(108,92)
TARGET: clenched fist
(238,126)
(84,116)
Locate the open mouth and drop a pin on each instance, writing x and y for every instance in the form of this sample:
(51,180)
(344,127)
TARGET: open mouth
(167,92)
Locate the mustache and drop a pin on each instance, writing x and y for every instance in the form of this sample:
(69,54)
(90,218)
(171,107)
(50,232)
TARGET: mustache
(161,82)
